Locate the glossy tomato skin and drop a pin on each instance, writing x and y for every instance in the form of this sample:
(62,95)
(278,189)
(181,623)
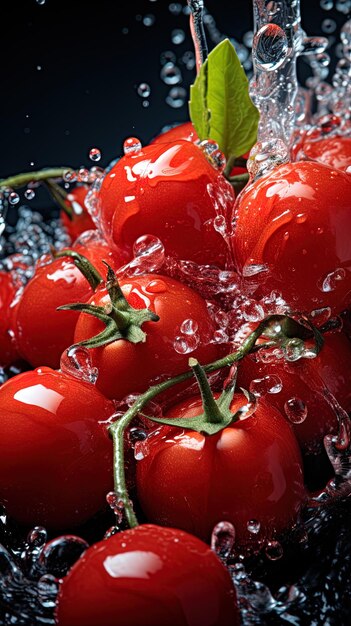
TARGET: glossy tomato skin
(172,192)
(80,221)
(42,332)
(305,380)
(334,151)
(8,349)
(251,470)
(291,235)
(125,367)
(185,132)
(148,575)
(55,457)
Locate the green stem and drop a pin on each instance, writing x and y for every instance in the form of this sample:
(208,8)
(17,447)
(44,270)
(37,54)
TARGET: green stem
(20,180)
(118,428)
(239,181)
(83,264)
(60,196)
(212,411)
(229,166)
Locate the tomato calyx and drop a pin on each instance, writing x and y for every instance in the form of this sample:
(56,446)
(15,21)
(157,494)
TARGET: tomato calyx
(217,414)
(121,320)
(89,272)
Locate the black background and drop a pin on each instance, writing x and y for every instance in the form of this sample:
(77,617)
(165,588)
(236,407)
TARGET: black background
(85,94)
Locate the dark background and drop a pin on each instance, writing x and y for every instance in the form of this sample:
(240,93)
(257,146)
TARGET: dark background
(85,94)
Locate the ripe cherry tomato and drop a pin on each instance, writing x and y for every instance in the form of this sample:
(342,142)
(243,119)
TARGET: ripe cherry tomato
(301,397)
(291,236)
(126,367)
(80,221)
(148,575)
(170,191)
(55,457)
(184,131)
(251,470)
(8,350)
(42,332)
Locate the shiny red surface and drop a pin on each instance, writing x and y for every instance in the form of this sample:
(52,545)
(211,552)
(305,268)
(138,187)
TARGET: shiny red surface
(184,131)
(42,332)
(250,470)
(296,223)
(55,458)
(306,380)
(151,576)
(172,192)
(80,221)
(8,350)
(126,367)
(334,151)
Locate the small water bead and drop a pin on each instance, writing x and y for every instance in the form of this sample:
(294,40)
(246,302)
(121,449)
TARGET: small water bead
(253,526)
(270,47)
(326,5)
(185,344)
(59,554)
(94,154)
(132,145)
(332,280)
(176,97)
(136,434)
(141,449)
(117,505)
(248,39)
(343,6)
(252,311)
(177,36)
(171,74)
(189,327)
(295,410)
(328,26)
(41,2)
(148,246)
(220,336)
(188,59)
(222,539)
(175,8)
(37,536)
(345,34)
(29,194)
(274,550)
(76,362)
(149,20)
(168,57)
(143,90)
(268,384)
(13,198)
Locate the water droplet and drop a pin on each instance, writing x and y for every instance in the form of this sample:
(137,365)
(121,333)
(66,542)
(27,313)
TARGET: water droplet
(267,384)
(14,198)
(149,19)
(253,269)
(188,59)
(76,361)
(252,311)
(171,74)
(136,434)
(345,34)
(29,194)
(156,286)
(144,90)
(270,47)
(328,26)
(94,154)
(168,57)
(189,327)
(176,97)
(296,410)
(274,550)
(177,36)
(37,536)
(175,8)
(59,554)
(132,145)
(253,526)
(327,5)
(222,539)
(332,280)
(248,39)
(141,450)
(40,1)
(294,349)
(185,344)
(265,156)
(343,6)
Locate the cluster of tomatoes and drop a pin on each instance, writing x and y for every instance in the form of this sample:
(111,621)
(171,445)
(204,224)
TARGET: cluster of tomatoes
(94,340)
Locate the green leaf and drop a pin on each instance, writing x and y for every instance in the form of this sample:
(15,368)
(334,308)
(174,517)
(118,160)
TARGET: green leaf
(220,106)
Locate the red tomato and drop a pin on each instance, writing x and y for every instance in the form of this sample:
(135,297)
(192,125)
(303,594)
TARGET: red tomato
(55,457)
(126,367)
(251,470)
(80,220)
(172,192)
(334,151)
(151,576)
(291,235)
(184,131)
(42,332)
(8,350)
(301,398)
